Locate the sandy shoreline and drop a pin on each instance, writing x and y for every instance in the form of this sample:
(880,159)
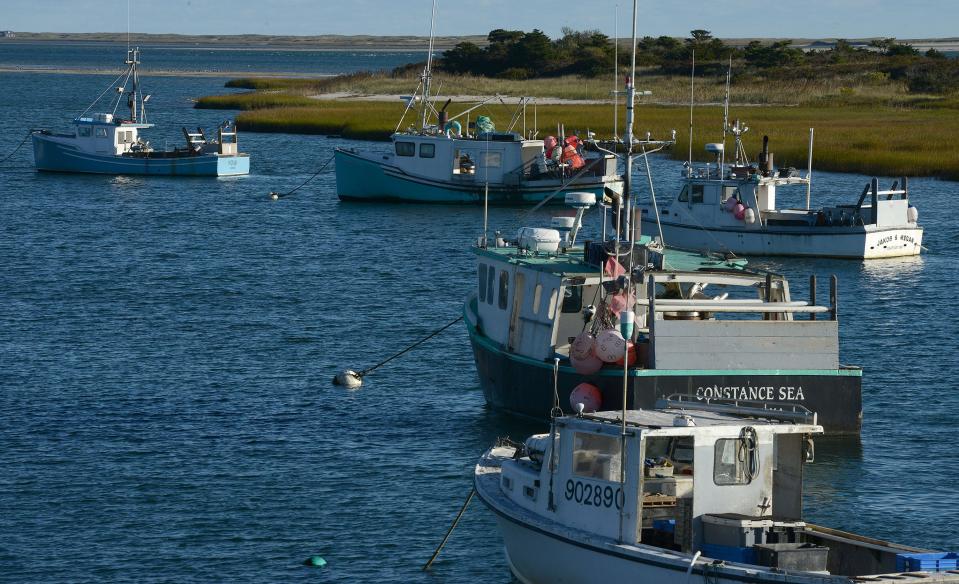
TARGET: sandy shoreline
(160,72)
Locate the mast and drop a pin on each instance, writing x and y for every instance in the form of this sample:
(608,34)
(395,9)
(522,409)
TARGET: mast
(428,74)
(630,99)
(133,59)
(692,99)
(630,102)
(722,155)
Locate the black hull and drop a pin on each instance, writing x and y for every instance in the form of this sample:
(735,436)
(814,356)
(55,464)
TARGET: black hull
(525,387)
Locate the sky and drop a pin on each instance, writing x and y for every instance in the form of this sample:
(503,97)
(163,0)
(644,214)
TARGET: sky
(725,18)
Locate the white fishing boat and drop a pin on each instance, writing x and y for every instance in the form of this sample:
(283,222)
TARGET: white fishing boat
(734,208)
(677,496)
(105,143)
(439,160)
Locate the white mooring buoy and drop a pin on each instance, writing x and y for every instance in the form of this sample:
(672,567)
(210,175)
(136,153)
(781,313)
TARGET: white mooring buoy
(349,379)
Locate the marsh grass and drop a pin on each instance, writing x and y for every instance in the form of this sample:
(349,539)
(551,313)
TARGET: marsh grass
(864,123)
(869,140)
(666,89)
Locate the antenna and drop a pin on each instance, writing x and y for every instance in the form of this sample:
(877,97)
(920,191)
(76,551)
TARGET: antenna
(692,78)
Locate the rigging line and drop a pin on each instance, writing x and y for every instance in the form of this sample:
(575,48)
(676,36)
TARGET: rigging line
(22,142)
(120,97)
(652,193)
(275,195)
(558,191)
(102,94)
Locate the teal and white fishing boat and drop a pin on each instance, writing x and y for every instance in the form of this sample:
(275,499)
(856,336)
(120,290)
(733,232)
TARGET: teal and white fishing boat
(104,143)
(440,162)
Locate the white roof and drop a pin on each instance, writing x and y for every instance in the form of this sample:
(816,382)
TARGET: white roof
(655,419)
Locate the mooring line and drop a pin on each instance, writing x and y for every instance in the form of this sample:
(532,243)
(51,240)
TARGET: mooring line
(450,530)
(22,142)
(275,195)
(354,379)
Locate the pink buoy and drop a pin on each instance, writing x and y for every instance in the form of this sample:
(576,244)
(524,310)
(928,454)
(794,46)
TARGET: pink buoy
(620,302)
(630,353)
(610,346)
(739,211)
(582,346)
(588,395)
(587,366)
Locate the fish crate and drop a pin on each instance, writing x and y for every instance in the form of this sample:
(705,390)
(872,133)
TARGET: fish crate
(933,562)
(730,553)
(802,557)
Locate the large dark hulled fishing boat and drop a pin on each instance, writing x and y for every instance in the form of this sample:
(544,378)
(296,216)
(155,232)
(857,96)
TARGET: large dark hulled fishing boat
(550,323)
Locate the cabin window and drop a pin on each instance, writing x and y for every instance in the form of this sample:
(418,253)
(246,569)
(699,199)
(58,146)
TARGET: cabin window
(728,469)
(427,150)
(729,192)
(482,282)
(84,131)
(697,194)
(537,297)
(405,149)
(684,196)
(490,278)
(596,456)
(492,159)
(676,450)
(101,132)
(503,288)
(551,310)
(572,299)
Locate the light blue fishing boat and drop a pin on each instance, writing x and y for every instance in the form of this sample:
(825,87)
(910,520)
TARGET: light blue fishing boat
(104,143)
(443,162)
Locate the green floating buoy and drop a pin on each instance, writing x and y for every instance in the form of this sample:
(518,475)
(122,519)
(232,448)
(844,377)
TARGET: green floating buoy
(315,561)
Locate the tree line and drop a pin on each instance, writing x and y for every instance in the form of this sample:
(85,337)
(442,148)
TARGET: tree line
(515,54)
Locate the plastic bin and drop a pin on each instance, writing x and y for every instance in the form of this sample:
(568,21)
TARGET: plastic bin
(665,525)
(735,530)
(935,562)
(801,557)
(729,553)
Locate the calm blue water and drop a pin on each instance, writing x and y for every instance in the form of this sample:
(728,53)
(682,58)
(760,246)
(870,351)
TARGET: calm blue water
(166,349)
(109,56)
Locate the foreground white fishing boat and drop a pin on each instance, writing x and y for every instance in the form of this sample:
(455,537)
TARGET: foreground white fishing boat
(733,208)
(674,496)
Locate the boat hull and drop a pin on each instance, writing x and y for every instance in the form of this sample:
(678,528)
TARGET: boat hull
(524,386)
(540,551)
(53,155)
(358,178)
(859,242)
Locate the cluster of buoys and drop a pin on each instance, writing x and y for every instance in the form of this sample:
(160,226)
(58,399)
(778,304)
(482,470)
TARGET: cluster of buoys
(739,211)
(589,353)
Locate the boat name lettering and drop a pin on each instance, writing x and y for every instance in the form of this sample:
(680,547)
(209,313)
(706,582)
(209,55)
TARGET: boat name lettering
(593,495)
(750,392)
(897,237)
